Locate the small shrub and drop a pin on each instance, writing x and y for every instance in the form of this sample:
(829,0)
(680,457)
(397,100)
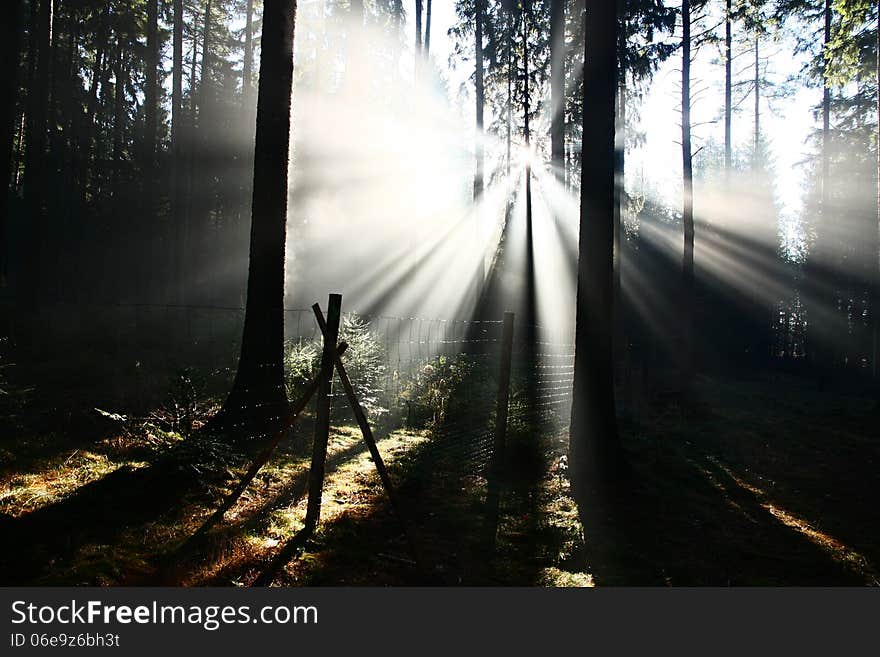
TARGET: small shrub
(302,359)
(184,398)
(428,393)
(365,364)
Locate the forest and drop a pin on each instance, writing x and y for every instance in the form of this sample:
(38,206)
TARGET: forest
(469,292)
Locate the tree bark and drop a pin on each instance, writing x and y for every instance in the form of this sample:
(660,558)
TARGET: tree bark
(178,182)
(204,86)
(428,29)
(150,184)
(728,87)
(11,31)
(619,189)
(822,355)
(875,316)
(594,450)
(757,136)
(205,164)
(826,116)
(510,64)
(35,154)
(481,99)
(151,90)
(95,114)
(258,391)
(118,117)
(247,74)
(557,88)
(687,215)
(418,29)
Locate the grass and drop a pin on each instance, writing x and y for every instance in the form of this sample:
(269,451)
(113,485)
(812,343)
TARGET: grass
(758,482)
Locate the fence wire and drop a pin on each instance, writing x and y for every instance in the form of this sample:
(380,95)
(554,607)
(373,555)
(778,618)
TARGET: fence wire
(435,377)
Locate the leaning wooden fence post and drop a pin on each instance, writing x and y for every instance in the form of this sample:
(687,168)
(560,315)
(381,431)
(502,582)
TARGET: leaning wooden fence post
(322,415)
(500,439)
(370,440)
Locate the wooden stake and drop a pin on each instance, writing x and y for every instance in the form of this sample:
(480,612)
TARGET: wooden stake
(322,419)
(493,495)
(369,439)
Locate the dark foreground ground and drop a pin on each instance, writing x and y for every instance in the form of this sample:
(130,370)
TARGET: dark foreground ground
(760,482)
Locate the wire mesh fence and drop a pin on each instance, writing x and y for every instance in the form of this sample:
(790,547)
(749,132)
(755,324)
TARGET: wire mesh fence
(422,373)
(432,382)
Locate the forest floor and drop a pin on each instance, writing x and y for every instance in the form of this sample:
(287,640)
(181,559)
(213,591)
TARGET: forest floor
(763,482)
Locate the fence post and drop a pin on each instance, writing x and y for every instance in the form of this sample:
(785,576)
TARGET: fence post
(370,440)
(503,390)
(493,495)
(322,415)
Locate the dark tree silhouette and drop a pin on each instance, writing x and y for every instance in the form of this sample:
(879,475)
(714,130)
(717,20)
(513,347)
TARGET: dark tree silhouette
(8,82)
(481,96)
(728,80)
(428,29)
(418,28)
(178,202)
(687,213)
(35,165)
(594,449)
(258,391)
(151,127)
(557,87)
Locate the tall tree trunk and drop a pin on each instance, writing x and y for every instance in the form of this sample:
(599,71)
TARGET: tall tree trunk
(70,190)
(428,29)
(418,29)
(121,227)
(757,136)
(531,300)
(258,391)
(728,86)
(178,163)
(249,118)
(687,215)
(190,159)
(19,151)
(479,155)
(510,64)
(118,115)
(205,163)
(95,113)
(35,156)
(826,117)
(557,88)
(481,99)
(526,109)
(149,181)
(875,300)
(11,31)
(205,83)
(527,101)
(619,190)
(822,355)
(151,88)
(593,450)
(247,74)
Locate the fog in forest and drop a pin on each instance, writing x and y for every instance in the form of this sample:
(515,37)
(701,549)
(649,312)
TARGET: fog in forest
(677,201)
